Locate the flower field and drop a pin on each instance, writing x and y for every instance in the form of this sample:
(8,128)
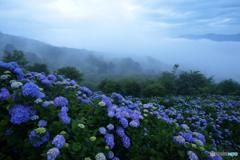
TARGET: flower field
(50,117)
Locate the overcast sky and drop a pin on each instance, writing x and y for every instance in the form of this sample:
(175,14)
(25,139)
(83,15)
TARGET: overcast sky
(131,26)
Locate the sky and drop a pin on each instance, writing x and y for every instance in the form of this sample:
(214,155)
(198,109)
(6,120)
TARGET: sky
(136,27)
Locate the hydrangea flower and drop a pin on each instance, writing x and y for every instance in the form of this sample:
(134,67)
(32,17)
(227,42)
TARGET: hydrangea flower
(31,89)
(4,94)
(124,122)
(60,101)
(110,127)
(63,116)
(120,132)
(47,103)
(192,155)
(110,155)
(188,137)
(109,139)
(16,84)
(37,139)
(59,141)
(20,114)
(179,140)
(100,156)
(126,141)
(53,153)
(42,123)
(134,123)
(102,130)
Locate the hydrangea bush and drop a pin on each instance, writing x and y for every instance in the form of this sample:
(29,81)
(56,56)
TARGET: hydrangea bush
(50,117)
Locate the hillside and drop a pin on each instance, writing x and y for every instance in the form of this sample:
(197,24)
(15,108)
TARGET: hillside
(94,65)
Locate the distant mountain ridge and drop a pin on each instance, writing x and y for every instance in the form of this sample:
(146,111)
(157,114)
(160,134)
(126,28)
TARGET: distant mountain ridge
(94,65)
(214,37)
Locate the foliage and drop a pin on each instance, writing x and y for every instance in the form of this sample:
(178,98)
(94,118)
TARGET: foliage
(50,117)
(71,72)
(229,87)
(15,55)
(38,67)
(192,83)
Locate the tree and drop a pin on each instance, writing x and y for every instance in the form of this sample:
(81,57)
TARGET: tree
(16,56)
(153,89)
(228,87)
(130,87)
(109,86)
(168,82)
(71,72)
(38,67)
(192,82)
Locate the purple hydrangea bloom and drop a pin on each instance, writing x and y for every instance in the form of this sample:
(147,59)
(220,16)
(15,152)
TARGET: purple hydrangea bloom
(214,156)
(126,141)
(63,116)
(192,155)
(117,97)
(110,155)
(86,90)
(46,82)
(102,130)
(20,114)
(31,89)
(124,122)
(19,73)
(46,103)
(84,100)
(42,123)
(188,137)
(111,113)
(179,140)
(4,94)
(52,153)
(60,101)
(110,127)
(134,123)
(109,139)
(120,132)
(38,139)
(59,141)
(52,77)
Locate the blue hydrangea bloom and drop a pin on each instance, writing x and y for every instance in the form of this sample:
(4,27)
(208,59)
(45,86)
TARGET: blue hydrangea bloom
(134,123)
(63,116)
(124,122)
(110,155)
(215,157)
(31,89)
(179,140)
(46,82)
(109,139)
(58,141)
(38,139)
(52,153)
(60,101)
(188,137)
(117,97)
(42,123)
(126,141)
(4,94)
(102,130)
(120,132)
(110,127)
(20,114)
(192,155)
(52,77)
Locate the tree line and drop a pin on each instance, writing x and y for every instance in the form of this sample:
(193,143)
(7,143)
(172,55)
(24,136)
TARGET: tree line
(173,82)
